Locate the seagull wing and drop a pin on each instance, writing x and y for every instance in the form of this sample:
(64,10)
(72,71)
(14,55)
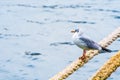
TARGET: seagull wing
(90,43)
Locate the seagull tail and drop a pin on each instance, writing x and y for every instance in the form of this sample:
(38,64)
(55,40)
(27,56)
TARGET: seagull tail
(107,50)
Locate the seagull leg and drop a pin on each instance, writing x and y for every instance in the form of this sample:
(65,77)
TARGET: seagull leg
(83,56)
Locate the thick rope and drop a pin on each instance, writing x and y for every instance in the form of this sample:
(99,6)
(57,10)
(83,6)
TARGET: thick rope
(91,53)
(108,68)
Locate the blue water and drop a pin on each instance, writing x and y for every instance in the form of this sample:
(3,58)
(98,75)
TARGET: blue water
(43,26)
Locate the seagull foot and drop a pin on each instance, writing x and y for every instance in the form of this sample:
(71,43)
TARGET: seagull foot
(83,58)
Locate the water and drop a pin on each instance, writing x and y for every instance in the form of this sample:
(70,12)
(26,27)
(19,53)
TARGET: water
(43,26)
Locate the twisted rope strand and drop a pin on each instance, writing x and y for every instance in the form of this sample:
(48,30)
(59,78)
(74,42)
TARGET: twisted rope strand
(108,68)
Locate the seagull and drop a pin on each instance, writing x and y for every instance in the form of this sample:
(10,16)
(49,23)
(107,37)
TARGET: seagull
(85,43)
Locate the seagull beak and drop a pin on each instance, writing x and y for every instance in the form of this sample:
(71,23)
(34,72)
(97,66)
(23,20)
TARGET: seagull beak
(72,31)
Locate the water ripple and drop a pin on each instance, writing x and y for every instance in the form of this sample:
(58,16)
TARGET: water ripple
(51,6)
(117,17)
(12,35)
(30,66)
(65,6)
(83,22)
(61,43)
(105,10)
(31,21)
(27,5)
(33,53)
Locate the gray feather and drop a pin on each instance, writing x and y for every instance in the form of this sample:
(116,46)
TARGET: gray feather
(90,43)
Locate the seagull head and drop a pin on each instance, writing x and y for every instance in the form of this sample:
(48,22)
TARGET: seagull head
(75,30)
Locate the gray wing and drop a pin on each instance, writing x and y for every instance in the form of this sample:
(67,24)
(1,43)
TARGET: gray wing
(90,43)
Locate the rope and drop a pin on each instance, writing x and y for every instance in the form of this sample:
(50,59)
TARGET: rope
(108,68)
(90,54)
